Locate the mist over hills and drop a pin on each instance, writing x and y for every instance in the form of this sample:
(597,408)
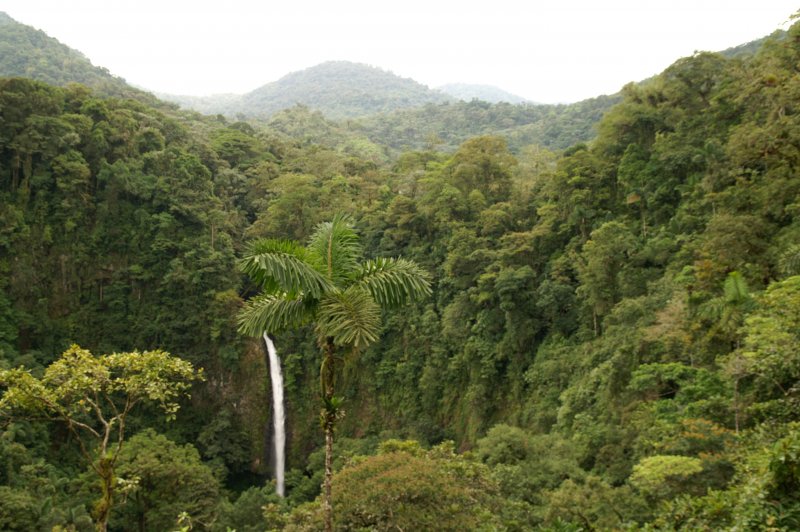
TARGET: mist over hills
(370,103)
(340,89)
(486,93)
(750,48)
(398,113)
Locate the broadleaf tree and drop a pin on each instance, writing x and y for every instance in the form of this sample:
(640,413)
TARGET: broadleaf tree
(93,397)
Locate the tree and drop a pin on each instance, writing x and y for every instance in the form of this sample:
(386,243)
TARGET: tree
(93,397)
(483,164)
(165,479)
(664,476)
(729,310)
(324,283)
(504,444)
(405,487)
(593,503)
(767,362)
(602,261)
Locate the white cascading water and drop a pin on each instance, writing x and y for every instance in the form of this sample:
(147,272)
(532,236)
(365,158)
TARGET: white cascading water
(279,417)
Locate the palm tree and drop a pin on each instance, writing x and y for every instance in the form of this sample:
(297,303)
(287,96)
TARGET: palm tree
(325,283)
(728,311)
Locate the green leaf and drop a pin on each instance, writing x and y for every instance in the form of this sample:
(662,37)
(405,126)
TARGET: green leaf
(393,282)
(351,317)
(337,244)
(735,288)
(274,313)
(284,266)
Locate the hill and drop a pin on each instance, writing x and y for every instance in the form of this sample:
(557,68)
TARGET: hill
(750,48)
(404,113)
(486,93)
(340,89)
(30,53)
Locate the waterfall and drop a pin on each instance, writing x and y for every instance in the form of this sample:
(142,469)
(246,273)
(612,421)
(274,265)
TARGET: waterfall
(278,417)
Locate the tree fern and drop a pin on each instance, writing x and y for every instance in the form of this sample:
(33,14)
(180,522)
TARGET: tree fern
(736,289)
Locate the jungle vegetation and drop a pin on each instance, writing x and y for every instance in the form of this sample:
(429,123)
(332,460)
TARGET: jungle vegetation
(611,340)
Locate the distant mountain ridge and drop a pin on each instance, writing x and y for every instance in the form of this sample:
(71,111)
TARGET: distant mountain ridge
(487,93)
(369,103)
(340,89)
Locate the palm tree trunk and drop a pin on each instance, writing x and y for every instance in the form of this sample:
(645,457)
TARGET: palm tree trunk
(329,419)
(326,499)
(736,403)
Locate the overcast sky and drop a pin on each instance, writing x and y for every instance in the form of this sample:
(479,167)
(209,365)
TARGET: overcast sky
(559,51)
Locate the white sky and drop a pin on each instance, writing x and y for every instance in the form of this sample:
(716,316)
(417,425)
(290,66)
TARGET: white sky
(558,51)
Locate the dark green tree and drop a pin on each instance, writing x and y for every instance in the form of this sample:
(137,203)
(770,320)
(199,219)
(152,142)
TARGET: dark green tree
(163,480)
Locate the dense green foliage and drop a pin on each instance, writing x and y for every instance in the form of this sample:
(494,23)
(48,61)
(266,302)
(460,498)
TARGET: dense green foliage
(445,126)
(613,331)
(163,480)
(93,397)
(404,487)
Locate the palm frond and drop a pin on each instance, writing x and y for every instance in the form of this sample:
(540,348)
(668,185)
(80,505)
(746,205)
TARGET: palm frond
(735,288)
(790,260)
(351,317)
(393,282)
(273,313)
(284,266)
(712,309)
(336,243)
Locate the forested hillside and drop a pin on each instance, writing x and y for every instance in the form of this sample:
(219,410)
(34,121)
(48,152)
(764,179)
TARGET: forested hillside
(30,53)
(612,340)
(445,126)
(368,102)
(340,89)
